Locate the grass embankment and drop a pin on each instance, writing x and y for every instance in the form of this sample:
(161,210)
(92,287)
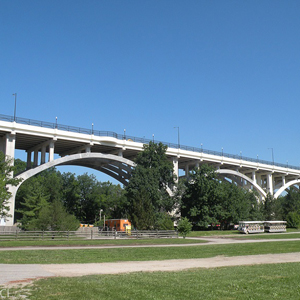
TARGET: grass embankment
(266,282)
(143,253)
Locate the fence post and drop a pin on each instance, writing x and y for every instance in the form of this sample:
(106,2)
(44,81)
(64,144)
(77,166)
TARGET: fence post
(115,234)
(91,234)
(16,234)
(43,235)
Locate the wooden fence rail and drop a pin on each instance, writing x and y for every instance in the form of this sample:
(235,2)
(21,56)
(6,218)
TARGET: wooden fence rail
(89,234)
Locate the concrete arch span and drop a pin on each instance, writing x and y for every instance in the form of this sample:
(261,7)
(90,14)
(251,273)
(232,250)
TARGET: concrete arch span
(261,192)
(115,166)
(112,165)
(287,185)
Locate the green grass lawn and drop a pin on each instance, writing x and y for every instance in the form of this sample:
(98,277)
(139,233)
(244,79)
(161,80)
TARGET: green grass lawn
(103,242)
(279,281)
(269,236)
(143,253)
(212,233)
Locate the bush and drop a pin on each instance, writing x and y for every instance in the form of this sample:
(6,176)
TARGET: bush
(293,220)
(184,227)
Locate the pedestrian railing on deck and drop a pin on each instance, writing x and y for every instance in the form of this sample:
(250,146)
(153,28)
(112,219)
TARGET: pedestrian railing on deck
(92,234)
(137,139)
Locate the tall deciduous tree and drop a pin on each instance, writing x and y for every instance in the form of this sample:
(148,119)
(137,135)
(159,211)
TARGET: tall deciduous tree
(6,179)
(147,188)
(208,200)
(200,202)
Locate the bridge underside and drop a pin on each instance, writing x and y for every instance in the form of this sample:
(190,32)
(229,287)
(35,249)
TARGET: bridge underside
(115,166)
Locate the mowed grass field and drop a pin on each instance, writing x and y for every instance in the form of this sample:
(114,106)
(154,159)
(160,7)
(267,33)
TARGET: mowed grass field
(260,282)
(99,255)
(274,281)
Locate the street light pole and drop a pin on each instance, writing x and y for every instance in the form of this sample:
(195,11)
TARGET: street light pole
(178,137)
(272,154)
(15,94)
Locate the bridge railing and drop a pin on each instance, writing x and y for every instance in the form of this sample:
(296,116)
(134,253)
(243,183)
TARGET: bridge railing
(137,139)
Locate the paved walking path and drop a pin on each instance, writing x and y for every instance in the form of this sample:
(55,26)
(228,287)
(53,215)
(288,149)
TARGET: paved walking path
(11,274)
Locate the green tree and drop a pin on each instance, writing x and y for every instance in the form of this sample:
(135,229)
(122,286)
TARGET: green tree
(291,202)
(55,217)
(148,185)
(34,202)
(200,201)
(6,178)
(293,219)
(236,204)
(271,208)
(164,221)
(184,227)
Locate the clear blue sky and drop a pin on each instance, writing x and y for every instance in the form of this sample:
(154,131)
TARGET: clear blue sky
(226,72)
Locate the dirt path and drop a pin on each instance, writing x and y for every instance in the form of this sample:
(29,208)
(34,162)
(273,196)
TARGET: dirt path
(12,274)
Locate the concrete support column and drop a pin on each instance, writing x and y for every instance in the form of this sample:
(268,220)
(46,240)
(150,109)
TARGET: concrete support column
(3,144)
(258,180)
(120,153)
(36,158)
(270,183)
(43,155)
(254,176)
(51,151)
(175,168)
(87,149)
(10,146)
(283,180)
(187,171)
(9,221)
(28,166)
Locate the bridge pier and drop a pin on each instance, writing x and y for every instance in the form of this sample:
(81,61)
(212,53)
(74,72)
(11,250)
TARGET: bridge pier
(7,146)
(42,149)
(175,168)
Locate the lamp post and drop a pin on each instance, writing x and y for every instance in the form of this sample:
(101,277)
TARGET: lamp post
(272,154)
(56,122)
(15,94)
(178,136)
(92,128)
(153,137)
(124,134)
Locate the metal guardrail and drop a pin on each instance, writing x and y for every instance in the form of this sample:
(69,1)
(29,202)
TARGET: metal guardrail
(138,140)
(91,234)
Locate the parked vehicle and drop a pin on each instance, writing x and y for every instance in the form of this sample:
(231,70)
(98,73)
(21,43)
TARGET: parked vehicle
(261,226)
(251,227)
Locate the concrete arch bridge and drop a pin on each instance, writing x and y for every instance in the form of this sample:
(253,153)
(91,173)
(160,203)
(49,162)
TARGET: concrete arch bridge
(51,144)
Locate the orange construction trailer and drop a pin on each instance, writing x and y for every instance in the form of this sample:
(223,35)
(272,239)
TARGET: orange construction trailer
(118,224)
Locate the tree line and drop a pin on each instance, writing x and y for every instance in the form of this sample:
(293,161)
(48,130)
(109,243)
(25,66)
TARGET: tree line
(153,199)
